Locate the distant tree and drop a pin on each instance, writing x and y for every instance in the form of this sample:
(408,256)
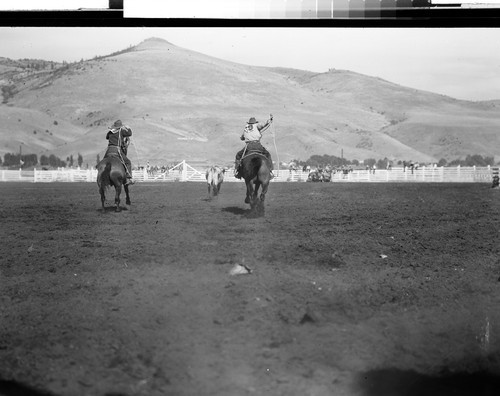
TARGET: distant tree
(370,162)
(98,159)
(8,92)
(56,162)
(11,159)
(71,160)
(382,163)
(442,162)
(80,160)
(53,160)
(29,160)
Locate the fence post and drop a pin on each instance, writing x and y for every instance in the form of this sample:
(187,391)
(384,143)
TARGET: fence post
(144,174)
(34,175)
(184,171)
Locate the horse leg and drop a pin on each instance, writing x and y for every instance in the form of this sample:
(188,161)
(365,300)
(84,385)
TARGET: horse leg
(249,196)
(254,200)
(118,190)
(127,201)
(103,197)
(263,192)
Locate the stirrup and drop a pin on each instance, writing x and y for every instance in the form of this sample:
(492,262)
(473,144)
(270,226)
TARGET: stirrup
(129,181)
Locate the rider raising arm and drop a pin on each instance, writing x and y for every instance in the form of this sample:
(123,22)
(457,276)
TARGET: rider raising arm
(252,135)
(118,136)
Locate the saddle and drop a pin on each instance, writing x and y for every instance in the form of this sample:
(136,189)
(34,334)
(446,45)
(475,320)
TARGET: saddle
(254,147)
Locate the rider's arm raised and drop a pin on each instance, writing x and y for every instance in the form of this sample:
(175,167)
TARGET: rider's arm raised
(266,125)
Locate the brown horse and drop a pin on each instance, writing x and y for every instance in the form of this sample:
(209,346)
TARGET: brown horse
(255,169)
(111,172)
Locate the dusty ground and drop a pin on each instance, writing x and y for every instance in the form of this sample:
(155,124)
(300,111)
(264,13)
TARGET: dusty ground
(142,302)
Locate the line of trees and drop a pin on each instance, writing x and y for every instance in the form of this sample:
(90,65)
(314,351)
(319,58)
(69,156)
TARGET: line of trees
(324,160)
(473,160)
(71,161)
(27,160)
(332,160)
(31,161)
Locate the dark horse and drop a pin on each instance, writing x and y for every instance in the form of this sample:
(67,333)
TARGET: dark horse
(255,169)
(111,172)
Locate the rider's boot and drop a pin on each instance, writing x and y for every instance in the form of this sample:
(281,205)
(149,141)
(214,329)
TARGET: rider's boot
(129,181)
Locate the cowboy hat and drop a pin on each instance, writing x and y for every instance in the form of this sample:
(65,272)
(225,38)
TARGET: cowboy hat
(117,124)
(252,121)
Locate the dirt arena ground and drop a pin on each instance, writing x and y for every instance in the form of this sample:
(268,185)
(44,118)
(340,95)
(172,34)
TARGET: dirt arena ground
(356,289)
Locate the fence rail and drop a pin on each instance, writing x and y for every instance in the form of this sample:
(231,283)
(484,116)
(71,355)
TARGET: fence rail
(183,172)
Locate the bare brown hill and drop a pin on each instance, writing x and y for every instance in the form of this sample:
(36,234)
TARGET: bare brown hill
(186,105)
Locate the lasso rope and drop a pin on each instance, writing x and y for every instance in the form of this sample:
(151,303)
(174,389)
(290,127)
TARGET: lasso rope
(136,153)
(120,151)
(276,148)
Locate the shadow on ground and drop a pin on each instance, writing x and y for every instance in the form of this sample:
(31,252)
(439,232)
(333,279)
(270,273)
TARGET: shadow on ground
(394,382)
(236,210)
(13,388)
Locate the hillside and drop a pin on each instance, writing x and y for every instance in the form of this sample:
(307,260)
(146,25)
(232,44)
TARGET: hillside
(186,105)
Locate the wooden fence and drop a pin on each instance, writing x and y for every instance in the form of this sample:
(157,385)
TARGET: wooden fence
(183,172)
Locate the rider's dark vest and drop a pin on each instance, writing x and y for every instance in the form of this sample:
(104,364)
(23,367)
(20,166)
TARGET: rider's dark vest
(116,140)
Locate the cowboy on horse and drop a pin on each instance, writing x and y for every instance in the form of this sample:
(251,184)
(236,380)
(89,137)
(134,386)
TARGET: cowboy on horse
(252,135)
(119,138)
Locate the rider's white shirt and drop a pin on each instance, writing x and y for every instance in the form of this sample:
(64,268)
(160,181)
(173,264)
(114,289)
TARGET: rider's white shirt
(252,133)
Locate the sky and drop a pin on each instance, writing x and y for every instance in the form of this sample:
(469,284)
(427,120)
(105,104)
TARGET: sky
(463,63)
